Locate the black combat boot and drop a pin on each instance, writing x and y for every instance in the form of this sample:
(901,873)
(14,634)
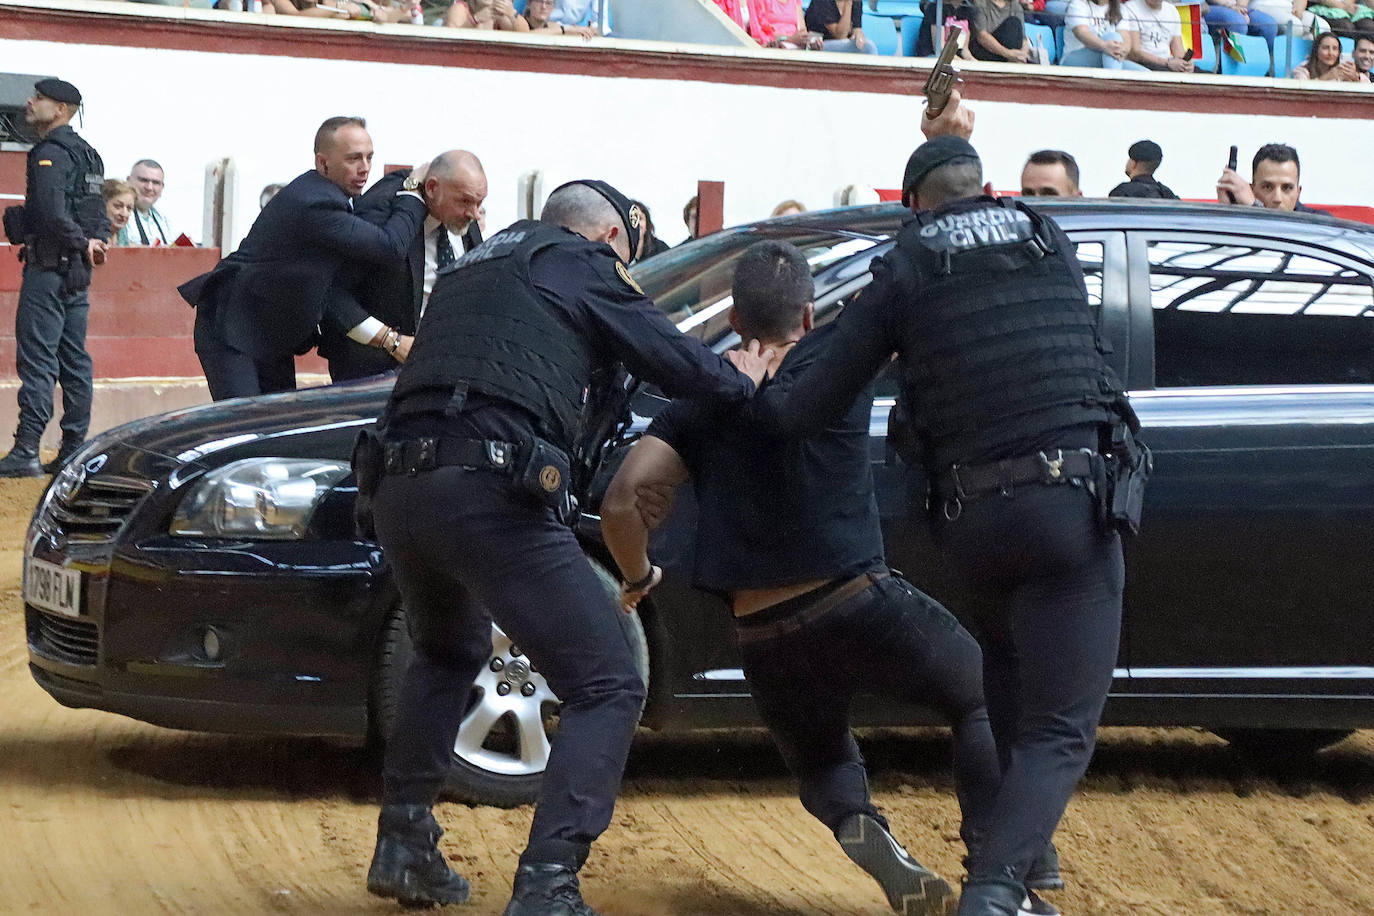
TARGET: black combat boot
(64,454)
(547,889)
(407,864)
(22,461)
(911,888)
(992,896)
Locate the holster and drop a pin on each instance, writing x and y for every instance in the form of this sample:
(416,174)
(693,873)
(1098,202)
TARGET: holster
(77,274)
(545,474)
(1128,467)
(367,468)
(16,224)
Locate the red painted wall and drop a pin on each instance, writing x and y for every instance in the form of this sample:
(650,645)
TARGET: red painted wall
(139,325)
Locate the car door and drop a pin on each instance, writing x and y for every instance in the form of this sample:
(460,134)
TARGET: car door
(1251,576)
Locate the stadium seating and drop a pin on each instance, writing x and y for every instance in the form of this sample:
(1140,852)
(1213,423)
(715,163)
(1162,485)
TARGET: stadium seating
(1206,60)
(1284,62)
(882,31)
(894,9)
(1256,57)
(1347,46)
(1044,35)
(911,31)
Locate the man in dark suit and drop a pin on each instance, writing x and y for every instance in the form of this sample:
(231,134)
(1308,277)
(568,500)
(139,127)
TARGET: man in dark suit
(390,298)
(263,304)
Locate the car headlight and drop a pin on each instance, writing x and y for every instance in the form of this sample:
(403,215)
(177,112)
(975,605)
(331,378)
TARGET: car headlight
(269,498)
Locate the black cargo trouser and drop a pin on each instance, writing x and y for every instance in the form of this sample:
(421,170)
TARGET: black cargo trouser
(50,343)
(467,547)
(890,640)
(1045,578)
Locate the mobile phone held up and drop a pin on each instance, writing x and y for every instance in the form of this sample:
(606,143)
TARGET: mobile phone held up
(940,84)
(1231,163)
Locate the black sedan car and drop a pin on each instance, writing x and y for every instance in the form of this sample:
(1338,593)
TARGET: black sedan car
(199,569)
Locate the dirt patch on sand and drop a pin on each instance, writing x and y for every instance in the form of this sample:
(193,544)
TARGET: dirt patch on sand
(101,814)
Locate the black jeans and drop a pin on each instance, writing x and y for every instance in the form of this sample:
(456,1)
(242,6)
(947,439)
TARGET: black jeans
(891,640)
(50,345)
(1046,580)
(467,547)
(1011,34)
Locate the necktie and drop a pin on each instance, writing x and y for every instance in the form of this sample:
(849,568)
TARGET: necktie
(443,248)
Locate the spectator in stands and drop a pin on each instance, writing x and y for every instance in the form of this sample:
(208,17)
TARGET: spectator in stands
(999,32)
(1236,16)
(578,12)
(788,208)
(1158,41)
(329,9)
(120,200)
(1324,63)
(482,220)
(1098,34)
(690,214)
(1142,159)
(1364,57)
(1275,182)
(1050,173)
(148,226)
(1286,14)
(1046,12)
(267,193)
(840,24)
(481,14)
(649,242)
(535,18)
(773,23)
(1345,17)
(957,13)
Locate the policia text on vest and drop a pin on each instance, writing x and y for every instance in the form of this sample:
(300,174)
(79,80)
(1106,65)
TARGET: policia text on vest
(62,228)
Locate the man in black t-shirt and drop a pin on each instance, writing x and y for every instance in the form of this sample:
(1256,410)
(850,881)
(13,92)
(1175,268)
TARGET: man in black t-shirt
(840,24)
(788,530)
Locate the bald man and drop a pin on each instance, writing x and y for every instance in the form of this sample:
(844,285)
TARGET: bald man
(376,310)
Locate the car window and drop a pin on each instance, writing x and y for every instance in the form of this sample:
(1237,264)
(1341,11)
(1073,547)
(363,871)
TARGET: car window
(1243,313)
(1090,256)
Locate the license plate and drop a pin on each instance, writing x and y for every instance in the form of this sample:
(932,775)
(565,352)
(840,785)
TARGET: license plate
(52,587)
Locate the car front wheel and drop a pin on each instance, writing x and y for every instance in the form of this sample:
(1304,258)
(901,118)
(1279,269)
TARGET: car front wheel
(502,747)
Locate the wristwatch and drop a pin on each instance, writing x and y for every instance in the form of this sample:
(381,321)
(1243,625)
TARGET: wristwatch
(411,183)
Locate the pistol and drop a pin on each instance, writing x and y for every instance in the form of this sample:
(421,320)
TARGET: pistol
(943,76)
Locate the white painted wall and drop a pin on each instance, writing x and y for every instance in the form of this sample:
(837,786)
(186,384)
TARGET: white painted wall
(652,138)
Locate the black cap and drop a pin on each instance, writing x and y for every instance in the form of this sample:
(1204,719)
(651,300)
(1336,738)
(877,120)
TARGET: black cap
(1146,151)
(931,155)
(58,90)
(630,214)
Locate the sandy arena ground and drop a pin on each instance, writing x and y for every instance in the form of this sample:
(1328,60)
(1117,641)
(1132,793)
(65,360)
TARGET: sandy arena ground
(101,814)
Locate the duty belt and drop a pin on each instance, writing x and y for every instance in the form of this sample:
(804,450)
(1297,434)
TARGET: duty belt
(412,456)
(970,481)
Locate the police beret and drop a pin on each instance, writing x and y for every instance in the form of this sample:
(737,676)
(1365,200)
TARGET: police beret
(931,155)
(1147,151)
(58,90)
(630,215)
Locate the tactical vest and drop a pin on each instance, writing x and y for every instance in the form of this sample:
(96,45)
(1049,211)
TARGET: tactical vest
(1000,343)
(487,330)
(85,204)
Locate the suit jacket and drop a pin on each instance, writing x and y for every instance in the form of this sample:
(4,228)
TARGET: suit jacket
(391,292)
(268,297)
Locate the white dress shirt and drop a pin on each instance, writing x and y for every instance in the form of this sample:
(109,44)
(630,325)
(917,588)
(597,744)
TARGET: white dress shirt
(432,258)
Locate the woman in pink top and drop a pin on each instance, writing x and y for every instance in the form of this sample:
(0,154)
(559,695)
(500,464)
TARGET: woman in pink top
(772,23)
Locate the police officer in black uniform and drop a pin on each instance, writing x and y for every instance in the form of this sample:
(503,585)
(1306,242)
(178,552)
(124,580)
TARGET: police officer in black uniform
(1023,433)
(62,227)
(518,336)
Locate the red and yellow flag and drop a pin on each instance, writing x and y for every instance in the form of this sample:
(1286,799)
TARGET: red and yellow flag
(1190,15)
(1230,48)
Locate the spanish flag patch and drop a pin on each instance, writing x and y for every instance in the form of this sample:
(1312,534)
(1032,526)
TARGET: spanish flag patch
(45,162)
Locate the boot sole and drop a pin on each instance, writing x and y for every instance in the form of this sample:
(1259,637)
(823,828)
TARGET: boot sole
(911,888)
(409,892)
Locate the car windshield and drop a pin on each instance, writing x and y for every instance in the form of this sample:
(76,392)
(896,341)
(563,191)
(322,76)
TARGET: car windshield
(692,284)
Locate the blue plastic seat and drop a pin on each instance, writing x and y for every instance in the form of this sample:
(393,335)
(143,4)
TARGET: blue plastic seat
(1347,46)
(1256,57)
(1058,43)
(1285,62)
(1043,34)
(1205,61)
(911,33)
(519,7)
(894,9)
(882,31)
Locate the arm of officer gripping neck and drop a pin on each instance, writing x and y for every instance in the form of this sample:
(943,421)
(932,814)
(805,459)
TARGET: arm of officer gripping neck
(47,204)
(653,464)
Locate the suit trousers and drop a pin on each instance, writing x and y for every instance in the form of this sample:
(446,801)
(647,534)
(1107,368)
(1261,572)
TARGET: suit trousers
(1045,578)
(467,547)
(50,342)
(233,374)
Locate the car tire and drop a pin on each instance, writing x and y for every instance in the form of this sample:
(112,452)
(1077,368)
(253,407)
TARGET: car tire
(502,746)
(1281,745)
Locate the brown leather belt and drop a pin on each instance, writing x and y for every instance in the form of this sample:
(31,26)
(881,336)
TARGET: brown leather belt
(747,631)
